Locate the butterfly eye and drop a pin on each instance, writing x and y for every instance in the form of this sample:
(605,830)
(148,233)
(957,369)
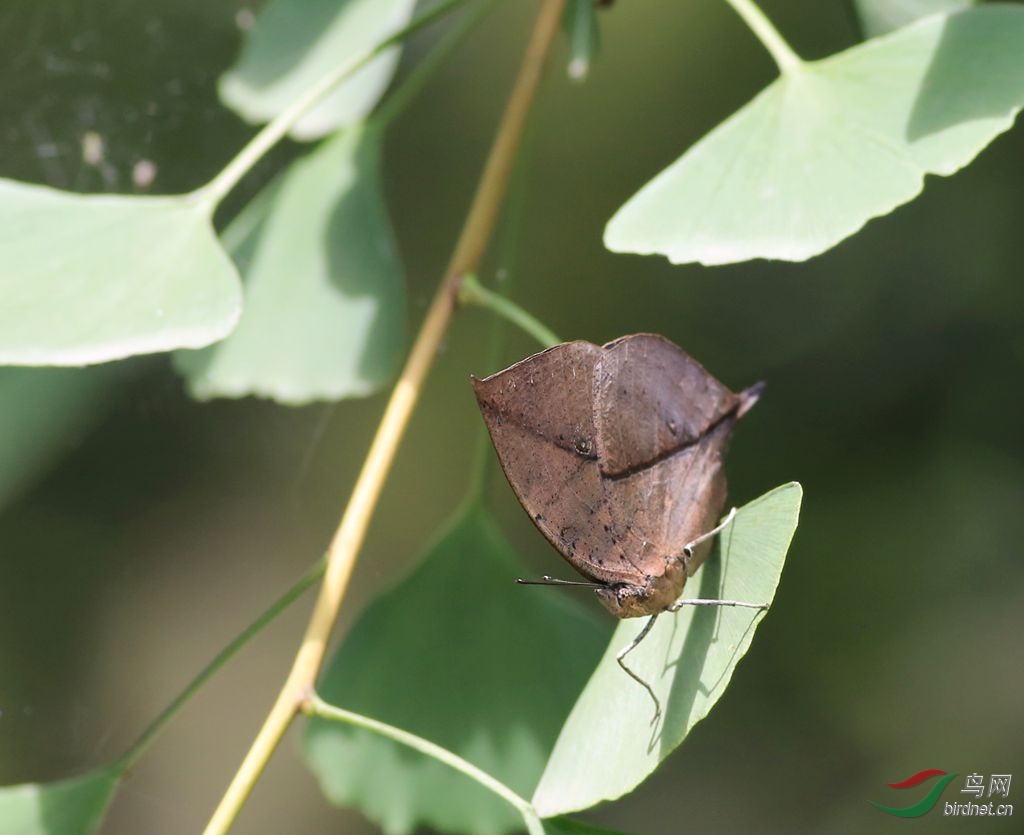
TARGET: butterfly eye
(583,446)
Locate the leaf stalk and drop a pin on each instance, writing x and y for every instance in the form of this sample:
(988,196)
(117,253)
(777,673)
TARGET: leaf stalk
(767,34)
(473,292)
(315,706)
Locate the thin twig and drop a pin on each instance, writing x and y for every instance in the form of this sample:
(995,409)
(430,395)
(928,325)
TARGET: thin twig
(344,548)
(473,292)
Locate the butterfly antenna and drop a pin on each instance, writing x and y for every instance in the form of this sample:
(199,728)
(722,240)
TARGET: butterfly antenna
(548,580)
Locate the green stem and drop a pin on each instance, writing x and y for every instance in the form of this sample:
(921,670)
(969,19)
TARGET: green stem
(473,292)
(315,706)
(394,105)
(767,34)
(215,190)
(270,613)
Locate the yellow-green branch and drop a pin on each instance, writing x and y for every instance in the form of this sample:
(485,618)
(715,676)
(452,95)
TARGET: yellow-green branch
(344,548)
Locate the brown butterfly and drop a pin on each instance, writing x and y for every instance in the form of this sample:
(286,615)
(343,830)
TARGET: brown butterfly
(616,453)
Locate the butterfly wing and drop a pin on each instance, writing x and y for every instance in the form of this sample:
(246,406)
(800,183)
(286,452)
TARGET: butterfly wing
(663,424)
(651,400)
(615,452)
(540,415)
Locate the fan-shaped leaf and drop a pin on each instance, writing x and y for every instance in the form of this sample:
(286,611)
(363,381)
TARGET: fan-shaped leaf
(91,278)
(66,807)
(296,42)
(324,296)
(687,659)
(881,16)
(833,143)
(490,679)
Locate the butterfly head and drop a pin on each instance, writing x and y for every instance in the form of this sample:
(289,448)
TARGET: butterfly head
(653,595)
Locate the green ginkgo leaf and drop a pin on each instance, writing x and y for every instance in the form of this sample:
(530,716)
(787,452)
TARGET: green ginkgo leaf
(613,739)
(831,144)
(66,807)
(294,43)
(90,278)
(324,311)
(881,16)
(462,656)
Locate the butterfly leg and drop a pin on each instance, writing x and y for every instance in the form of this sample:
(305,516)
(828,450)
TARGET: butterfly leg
(621,659)
(702,601)
(688,553)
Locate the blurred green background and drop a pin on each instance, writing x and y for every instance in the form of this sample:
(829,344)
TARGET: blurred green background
(139,531)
